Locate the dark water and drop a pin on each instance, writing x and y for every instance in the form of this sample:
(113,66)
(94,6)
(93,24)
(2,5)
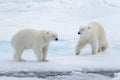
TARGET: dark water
(76,75)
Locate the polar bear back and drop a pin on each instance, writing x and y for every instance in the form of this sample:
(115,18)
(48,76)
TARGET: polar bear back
(26,37)
(97,29)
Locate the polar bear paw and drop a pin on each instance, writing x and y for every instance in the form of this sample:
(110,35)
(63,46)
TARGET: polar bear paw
(20,60)
(45,60)
(77,52)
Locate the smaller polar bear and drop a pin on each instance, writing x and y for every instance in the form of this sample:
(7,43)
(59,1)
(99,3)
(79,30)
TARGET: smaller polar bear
(93,34)
(38,40)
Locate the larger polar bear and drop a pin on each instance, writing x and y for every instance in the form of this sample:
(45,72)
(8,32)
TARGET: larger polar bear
(94,35)
(38,40)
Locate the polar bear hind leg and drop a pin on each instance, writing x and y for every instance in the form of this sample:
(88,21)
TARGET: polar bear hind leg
(17,55)
(103,44)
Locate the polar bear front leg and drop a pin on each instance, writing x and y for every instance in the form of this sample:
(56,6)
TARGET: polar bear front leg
(81,44)
(45,50)
(17,55)
(94,47)
(39,54)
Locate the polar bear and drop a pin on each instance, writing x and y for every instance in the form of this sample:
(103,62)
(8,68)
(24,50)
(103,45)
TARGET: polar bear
(38,40)
(94,35)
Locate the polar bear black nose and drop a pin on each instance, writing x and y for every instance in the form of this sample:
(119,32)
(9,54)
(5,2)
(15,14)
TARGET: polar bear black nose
(56,39)
(78,32)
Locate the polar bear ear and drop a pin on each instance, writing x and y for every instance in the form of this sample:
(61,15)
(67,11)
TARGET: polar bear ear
(89,27)
(47,32)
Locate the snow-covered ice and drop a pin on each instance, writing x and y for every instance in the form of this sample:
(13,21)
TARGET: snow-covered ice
(64,17)
(15,78)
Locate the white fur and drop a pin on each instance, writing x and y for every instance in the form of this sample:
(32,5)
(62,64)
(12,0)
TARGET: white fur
(94,35)
(38,40)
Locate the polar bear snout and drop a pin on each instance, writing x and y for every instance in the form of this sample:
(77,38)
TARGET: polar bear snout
(79,33)
(56,39)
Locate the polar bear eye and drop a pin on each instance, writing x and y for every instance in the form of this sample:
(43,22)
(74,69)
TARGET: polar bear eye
(88,27)
(82,29)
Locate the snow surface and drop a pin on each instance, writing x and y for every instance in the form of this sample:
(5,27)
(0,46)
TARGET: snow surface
(117,76)
(64,17)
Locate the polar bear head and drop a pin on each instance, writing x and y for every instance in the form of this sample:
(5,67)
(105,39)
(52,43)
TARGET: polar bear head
(51,36)
(84,30)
